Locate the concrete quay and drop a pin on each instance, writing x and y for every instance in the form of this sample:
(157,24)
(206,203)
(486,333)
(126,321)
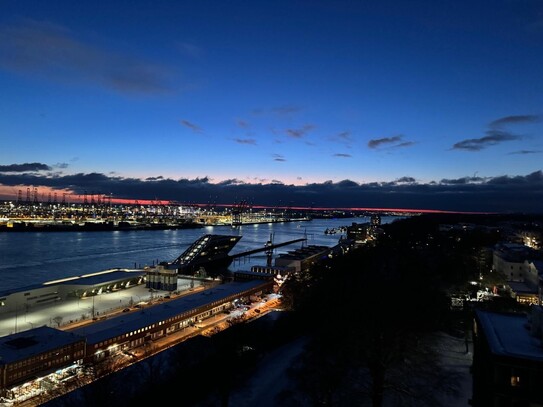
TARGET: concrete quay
(73,312)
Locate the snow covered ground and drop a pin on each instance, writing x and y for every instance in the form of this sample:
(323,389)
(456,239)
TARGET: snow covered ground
(453,351)
(271,378)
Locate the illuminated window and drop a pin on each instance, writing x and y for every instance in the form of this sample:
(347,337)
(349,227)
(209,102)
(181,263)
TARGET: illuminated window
(515,381)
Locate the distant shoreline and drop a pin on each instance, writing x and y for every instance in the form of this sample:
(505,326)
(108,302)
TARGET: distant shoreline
(121,226)
(93,227)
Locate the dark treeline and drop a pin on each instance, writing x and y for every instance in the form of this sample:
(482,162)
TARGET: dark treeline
(373,314)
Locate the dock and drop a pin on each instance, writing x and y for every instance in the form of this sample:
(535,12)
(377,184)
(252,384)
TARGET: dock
(266,248)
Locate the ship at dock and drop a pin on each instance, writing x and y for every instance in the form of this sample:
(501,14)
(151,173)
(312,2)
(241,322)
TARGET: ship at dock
(210,252)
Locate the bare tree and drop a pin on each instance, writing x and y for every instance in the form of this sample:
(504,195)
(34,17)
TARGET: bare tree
(58,320)
(372,315)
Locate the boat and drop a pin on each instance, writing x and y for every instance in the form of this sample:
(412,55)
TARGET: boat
(210,252)
(332,231)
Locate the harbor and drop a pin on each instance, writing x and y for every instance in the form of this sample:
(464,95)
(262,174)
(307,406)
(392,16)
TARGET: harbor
(103,216)
(129,309)
(29,258)
(151,303)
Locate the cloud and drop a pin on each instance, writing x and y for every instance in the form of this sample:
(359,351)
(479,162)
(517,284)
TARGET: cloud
(343,155)
(301,132)
(374,143)
(504,194)
(393,142)
(494,137)
(25,167)
(462,181)
(250,141)
(243,124)
(404,144)
(192,126)
(406,180)
(54,52)
(526,152)
(279,157)
(519,119)
(343,137)
(346,183)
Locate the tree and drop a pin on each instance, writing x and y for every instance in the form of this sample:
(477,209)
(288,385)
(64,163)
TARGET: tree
(58,320)
(372,315)
(105,388)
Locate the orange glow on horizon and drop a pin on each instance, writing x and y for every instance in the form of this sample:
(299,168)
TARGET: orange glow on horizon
(44,194)
(351,209)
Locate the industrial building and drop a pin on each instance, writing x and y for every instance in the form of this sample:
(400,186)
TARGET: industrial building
(36,352)
(51,292)
(40,351)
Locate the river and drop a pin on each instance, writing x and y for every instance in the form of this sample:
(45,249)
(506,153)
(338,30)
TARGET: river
(35,257)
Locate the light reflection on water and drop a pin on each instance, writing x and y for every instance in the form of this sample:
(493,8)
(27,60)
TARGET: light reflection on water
(35,257)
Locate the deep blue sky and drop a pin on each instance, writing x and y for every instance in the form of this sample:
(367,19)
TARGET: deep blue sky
(405,104)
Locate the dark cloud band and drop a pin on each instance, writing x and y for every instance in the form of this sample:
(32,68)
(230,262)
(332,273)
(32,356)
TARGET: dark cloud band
(469,194)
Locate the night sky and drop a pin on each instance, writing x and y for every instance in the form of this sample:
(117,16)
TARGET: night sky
(389,104)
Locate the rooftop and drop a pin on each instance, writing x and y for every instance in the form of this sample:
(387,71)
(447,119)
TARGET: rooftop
(39,340)
(508,335)
(100,277)
(126,322)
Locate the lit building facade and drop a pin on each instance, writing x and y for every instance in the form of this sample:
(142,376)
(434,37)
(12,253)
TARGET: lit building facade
(36,352)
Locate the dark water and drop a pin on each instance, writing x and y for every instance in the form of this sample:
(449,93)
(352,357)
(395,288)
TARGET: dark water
(36,257)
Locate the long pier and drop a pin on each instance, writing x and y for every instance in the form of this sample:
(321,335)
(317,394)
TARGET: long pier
(266,248)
